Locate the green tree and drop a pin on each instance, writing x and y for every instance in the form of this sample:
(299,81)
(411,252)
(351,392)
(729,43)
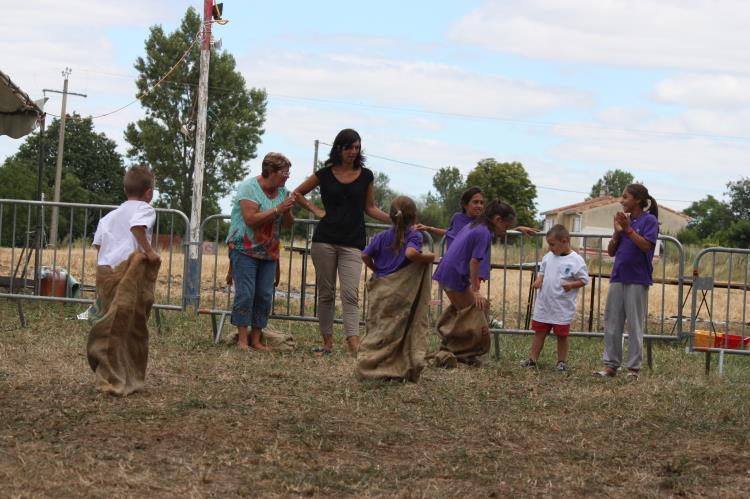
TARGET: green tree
(235,118)
(739,198)
(382,192)
(90,161)
(611,184)
(430,211)
(92,173)
(737,234)
(509,182)
(709,217)
(449,184)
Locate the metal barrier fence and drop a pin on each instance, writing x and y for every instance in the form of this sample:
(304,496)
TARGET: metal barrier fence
(296,296)
(32,268)
(720,276)
(515,263)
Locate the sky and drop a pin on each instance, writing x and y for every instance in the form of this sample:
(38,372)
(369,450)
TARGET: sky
(571,89)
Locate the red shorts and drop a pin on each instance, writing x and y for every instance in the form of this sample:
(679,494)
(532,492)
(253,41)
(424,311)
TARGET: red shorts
(542,327)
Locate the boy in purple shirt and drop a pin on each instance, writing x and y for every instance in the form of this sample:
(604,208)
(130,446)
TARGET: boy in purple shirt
(394,248)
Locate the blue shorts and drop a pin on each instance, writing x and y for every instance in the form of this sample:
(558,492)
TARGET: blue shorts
(253,285)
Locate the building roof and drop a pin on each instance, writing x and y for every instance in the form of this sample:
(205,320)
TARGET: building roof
(596,203)
(19,114)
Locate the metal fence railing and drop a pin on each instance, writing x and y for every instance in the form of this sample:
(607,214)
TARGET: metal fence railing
(33,268)
(718,312)
(295,298)
(515,263)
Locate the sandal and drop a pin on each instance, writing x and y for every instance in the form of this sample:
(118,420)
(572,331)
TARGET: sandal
(632,376)
(321,351)
(604,373)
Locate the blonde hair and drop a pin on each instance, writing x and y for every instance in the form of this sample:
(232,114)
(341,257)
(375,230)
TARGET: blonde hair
(273,162)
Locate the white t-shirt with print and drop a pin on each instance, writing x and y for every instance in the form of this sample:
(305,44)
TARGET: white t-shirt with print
(113,235)
(554,305)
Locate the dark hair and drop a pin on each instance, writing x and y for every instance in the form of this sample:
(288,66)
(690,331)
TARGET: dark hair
(138,180)
(344,139)
(403,214)
(647,202)
(559,232)
(467,195)
(273,162)
(494,209)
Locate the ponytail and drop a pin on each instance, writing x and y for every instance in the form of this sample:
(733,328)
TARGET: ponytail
(403,214)
(646,200)
(653,208)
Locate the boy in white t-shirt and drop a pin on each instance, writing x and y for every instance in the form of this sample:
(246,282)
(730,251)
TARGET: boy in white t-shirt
(129,227)
(561,273)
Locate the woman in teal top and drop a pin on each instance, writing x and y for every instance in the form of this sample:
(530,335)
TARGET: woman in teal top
(262,205)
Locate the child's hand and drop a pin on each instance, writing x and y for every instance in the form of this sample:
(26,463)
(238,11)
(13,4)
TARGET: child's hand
(622,222)
(480,301)
(526,231)
(422,227)
(567,285)
(428,257)
(537,283)
(152,256)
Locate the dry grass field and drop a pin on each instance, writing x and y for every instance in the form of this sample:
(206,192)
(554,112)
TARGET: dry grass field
(217,422)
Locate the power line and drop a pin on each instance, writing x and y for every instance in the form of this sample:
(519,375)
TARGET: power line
(545,187)
(153,87)
(545,124)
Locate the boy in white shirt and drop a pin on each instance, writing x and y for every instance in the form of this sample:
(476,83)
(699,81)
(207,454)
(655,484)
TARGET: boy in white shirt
(129,227)
(561,273)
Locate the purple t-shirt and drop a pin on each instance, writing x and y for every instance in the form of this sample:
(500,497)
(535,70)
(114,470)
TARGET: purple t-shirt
(633,265)
(458,221)
(453,270)
(386,260)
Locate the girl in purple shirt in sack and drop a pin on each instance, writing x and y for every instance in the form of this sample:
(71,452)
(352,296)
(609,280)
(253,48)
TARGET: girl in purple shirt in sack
(393,249)
(632,245)
(462,267)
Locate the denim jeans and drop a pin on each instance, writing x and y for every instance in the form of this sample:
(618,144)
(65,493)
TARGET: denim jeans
(253,284)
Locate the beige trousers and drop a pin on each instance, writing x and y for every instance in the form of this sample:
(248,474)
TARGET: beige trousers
(328,260)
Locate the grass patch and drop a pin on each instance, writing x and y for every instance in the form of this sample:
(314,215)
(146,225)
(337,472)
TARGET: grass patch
(214,421)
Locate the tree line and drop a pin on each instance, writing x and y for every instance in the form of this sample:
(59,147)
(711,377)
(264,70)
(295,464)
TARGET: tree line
(164,139)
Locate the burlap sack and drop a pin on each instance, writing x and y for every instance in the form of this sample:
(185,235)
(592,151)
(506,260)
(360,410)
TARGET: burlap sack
(275,340)
(464,336)
(395,339)
(117,347)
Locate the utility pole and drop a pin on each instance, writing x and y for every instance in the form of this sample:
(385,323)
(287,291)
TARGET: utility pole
(193,276)
(60,147)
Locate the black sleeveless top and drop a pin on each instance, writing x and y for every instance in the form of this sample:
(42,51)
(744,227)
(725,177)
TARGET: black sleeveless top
(344,223)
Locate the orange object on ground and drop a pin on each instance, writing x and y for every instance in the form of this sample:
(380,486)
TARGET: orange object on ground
(707,339)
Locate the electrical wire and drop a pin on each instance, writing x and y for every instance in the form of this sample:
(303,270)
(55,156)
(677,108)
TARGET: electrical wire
(424,167)
(146,92)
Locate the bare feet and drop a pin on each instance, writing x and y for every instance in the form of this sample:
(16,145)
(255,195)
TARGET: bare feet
(352,342)
(260,347)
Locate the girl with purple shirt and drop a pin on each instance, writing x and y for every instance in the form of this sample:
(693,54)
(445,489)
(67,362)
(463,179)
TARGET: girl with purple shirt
(472,205)
(632,245)
(465,262)
(393,249)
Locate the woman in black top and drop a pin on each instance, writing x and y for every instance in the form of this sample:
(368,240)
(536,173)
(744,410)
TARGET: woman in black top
(347,193)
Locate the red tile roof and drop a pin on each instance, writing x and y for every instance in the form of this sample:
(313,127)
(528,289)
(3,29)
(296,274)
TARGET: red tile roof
(601,201)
